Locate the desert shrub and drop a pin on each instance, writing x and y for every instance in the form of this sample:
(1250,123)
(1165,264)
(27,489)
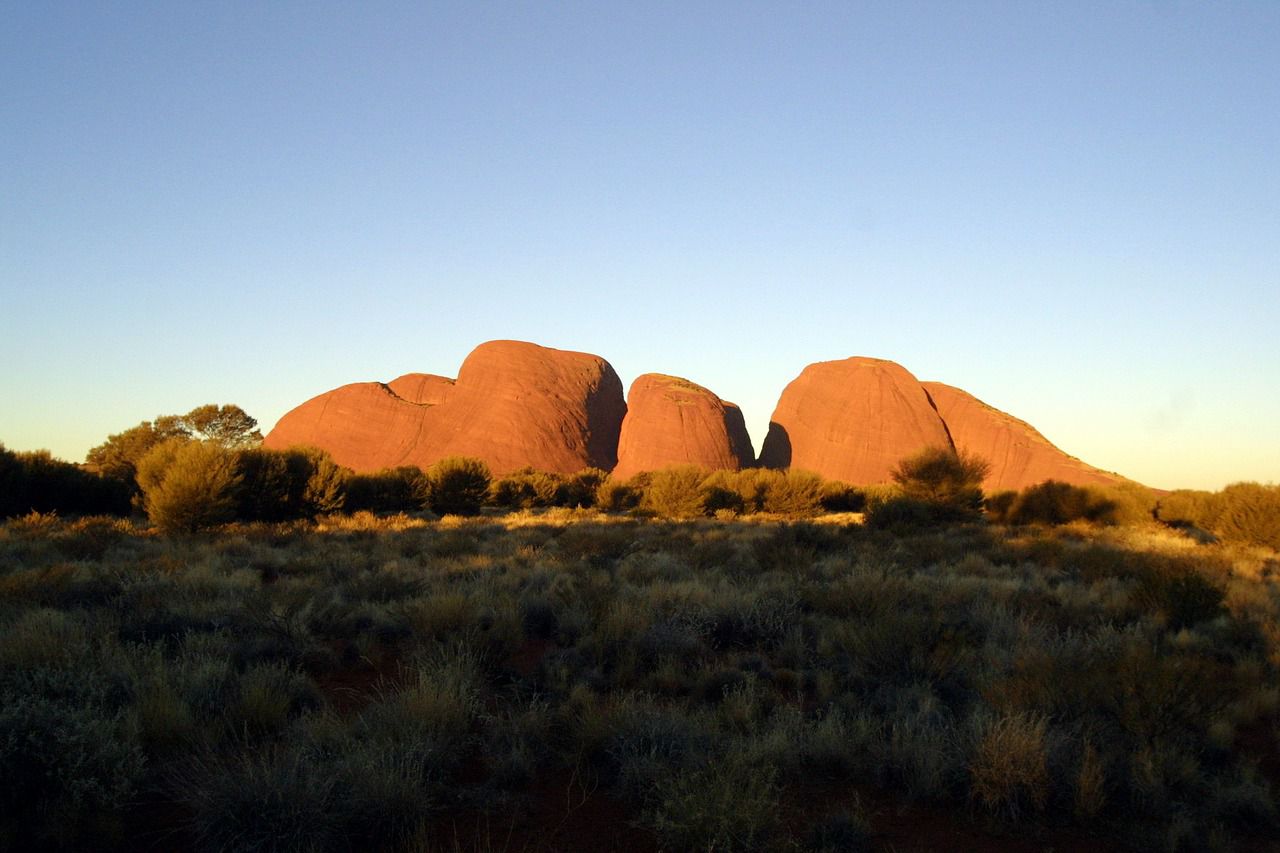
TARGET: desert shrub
(613,496)
(188,485)
(69,761)
(275,798)
(754,485)
(842,497)
(36,482)
(276,485)
(580,489)
(401,489)
(723,495)
(459,485)
(904,515)
(1189,507)
(950,482)
(524,489)
(1054,502)
(795,494)
(269,695)
(1249,513)
(999,505)
(677,492)
(1132,503)
(646,744)
(726,804)
(1184,596)
(1008,771)
(920,754)
(325,486)
(1090,783)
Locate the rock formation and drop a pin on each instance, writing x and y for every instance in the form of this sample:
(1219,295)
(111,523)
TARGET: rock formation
(672,421)
(517,405)
(514,405)
(423,388)
(852,420)
(1019,455)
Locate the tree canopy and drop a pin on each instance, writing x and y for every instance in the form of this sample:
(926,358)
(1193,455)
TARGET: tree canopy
(228,426)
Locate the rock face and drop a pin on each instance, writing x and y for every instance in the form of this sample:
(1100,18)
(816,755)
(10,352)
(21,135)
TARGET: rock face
(1019,455)
(518,405)
(514,405)
(424,388)
(672,421)
(852,420)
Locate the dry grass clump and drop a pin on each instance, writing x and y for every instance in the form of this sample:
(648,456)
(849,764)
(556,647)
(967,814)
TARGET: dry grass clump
(1009,769)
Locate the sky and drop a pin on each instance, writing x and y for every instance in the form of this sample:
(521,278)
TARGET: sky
(1069,209)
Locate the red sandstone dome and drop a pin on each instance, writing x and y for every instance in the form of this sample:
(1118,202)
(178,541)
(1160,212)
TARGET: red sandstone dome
(852,420)
(1019,455)
(672,421)
(514,405)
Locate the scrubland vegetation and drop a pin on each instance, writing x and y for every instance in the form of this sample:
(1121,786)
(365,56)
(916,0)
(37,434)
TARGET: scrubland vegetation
(291,657)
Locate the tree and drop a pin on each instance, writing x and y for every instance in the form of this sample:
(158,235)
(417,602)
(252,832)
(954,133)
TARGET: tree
(188,485)
(948,481)
(228,426)
(118,456)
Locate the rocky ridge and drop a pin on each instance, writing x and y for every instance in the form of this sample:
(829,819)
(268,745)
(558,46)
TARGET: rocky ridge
(519,405)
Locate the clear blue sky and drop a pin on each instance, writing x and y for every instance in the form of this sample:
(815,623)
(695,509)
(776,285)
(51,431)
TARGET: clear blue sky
(1071,210)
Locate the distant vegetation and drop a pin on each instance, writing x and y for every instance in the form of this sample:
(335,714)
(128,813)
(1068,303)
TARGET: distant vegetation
(234,479)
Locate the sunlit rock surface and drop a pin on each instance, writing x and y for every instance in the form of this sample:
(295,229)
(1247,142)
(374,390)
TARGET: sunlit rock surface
(1019,455)
(852,420)
(672,421)
(514,405)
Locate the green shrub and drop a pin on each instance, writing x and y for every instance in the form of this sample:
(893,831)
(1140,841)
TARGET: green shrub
(525,489)
(579,490)
(188,485)
(612,496)
(948,481)
(458,485)
(842,497)
(325,486)
(69,762)
(1189,507)
(904,515)
(1185,597)
(1250,513)
(1132,503)
(677,492)
(401,489)
(999,505)
(1053,502)
(300,482)
(754,485)
(795,494)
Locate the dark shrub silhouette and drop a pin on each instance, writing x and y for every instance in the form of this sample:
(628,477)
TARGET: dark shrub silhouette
(458,485)
(36,482)
(403,489)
